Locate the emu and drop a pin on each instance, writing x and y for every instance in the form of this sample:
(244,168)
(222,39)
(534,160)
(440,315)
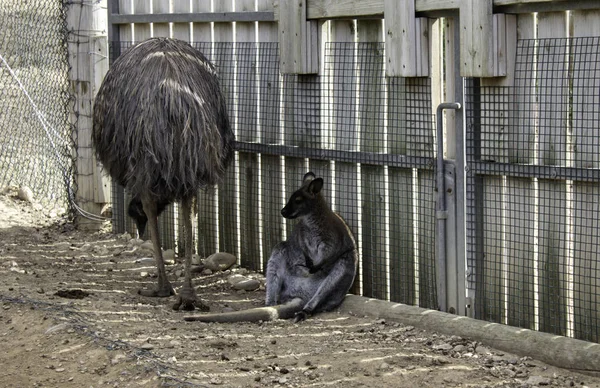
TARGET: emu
(161,130)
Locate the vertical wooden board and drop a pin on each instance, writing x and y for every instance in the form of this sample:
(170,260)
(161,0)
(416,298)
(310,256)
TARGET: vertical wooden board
(167,224)
(347,204)
(142,31)
(552,242)
(402,229)
(520,214)
(419,120)
(228,194)
(586,88)
(342,78)
(161,29)
(476,27)
(182,31)
(247,123)
(207,234)
(521,131)
(371,131)
(426,233)
(201,32)
(340,73)
(272,197)
(268,78)
(306,113)
(125,30)
(374,223)
(493,249)
(586,271)
(269,92)
(495,108)
(553,88)
(397,125)
(249,211)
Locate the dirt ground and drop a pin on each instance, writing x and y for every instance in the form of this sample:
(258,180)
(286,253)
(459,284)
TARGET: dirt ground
(110,336)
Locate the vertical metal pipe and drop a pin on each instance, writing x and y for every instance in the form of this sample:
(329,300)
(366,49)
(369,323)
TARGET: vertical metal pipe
(440,213)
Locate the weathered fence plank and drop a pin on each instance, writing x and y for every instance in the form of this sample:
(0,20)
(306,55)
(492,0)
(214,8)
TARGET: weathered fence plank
(182,31)
(586,295)
(224,60)
(207,219)
(341,73)
(142,31)
(552,252)
(370,72)
(247,107)
(161,29)
(270,130)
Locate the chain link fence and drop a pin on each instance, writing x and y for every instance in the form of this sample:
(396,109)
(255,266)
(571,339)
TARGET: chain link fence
(36,136)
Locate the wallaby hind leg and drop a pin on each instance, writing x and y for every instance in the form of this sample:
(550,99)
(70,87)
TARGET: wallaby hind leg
(276,268)
(332,290)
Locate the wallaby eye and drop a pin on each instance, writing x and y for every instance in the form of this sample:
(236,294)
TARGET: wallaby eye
(298,199)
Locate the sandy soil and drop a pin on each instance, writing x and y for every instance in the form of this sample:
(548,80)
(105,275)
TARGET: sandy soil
(113,337)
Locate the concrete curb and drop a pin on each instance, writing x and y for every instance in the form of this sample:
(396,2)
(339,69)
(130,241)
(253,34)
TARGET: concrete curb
(563,352)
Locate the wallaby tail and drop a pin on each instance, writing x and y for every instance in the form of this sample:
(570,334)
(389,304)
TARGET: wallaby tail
(271,313)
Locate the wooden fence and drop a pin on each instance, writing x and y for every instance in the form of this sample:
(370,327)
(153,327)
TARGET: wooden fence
(335,88)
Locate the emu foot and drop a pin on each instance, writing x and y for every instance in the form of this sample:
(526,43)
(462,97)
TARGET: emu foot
(188,301)
(159,292)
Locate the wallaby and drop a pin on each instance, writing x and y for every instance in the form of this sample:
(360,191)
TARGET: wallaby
(310,272)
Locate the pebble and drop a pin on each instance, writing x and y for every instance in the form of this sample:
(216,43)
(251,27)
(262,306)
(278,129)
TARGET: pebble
(207,271)
(196,260)
(147,245)
(220,261)
(460,348)
(538,381)
(145,260)
(147,346)
(25,194)
(247,285)
(443,347)
(169,256)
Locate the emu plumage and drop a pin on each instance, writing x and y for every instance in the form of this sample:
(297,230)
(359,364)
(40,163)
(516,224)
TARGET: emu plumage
(162,131)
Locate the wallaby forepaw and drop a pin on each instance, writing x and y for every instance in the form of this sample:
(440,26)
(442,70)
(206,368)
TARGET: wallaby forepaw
(300,316)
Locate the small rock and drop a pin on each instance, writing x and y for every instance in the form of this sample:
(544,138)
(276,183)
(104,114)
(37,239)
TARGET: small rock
(147,245)
(220,261)
(100,250)
(179,273)
(460,348)
(117,359)
(207,271)
(215,381)
(135,242)
(282,380)
(443,347)
(384,366)
(25,194)
(124,237)
(147,346)
(236,278)
(247,285)
(538,380)
(482,350)
(169,256)
(175,343)
(196,260)
(59,369)
(145,260)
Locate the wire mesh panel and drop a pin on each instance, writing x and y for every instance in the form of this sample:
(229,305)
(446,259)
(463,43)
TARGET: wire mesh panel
(369,137)
(532,154)
(36,145)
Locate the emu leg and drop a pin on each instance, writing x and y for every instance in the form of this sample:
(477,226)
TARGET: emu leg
(187,299)
(164,287)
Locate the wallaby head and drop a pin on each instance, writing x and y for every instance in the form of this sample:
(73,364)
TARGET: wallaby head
(303,201)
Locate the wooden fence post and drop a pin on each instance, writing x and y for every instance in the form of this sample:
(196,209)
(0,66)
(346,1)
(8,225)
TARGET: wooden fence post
(88,58)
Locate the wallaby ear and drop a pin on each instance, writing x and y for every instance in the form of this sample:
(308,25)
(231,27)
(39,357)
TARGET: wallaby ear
(309,176)
(315,186)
